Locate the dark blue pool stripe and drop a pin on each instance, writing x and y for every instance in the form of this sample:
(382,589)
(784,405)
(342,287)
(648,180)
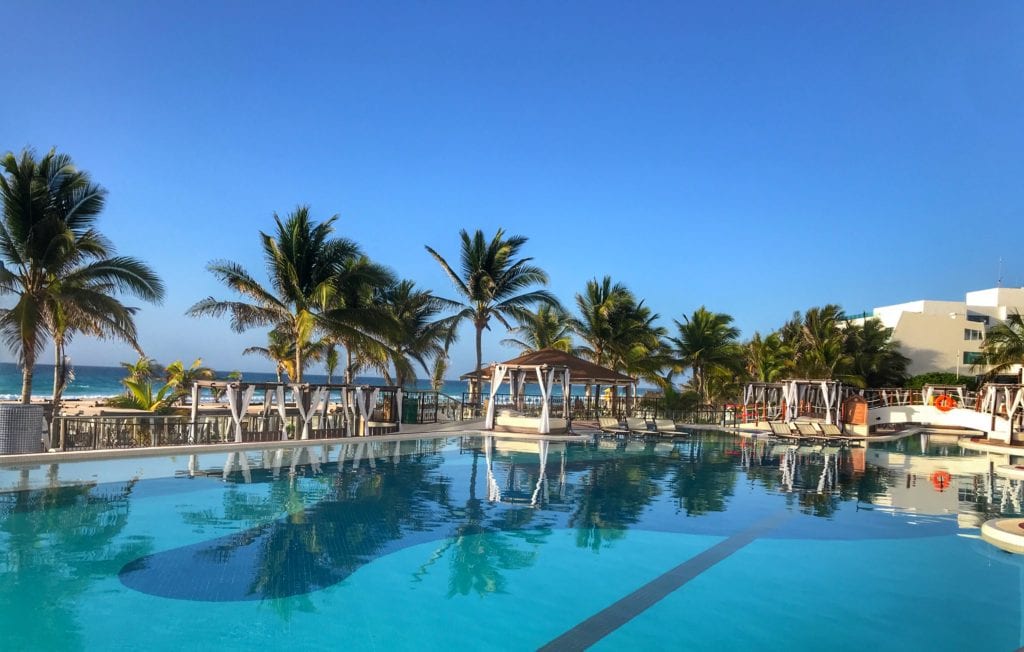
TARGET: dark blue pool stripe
(606,621)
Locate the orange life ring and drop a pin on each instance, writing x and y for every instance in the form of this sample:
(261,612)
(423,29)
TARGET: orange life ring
(941,480)
(945,402)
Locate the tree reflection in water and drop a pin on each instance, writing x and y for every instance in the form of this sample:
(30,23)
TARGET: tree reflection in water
(57,543)
(296,533)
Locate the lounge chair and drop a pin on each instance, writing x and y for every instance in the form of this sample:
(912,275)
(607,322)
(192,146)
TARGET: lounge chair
(831,430)
(807,429)
(637,426)
(780,429)
(665,427)
(611,426)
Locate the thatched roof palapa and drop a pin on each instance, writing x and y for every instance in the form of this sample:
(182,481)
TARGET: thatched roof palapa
(581,371)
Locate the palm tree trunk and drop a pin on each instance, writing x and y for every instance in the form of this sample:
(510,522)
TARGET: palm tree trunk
(298,362)
(348,364)
(26,380)
(59,374)
(479,364)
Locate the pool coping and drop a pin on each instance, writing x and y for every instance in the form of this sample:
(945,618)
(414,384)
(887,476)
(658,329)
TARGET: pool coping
(472,429)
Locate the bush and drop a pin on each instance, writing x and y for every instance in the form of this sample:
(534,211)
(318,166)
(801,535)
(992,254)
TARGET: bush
(942,378)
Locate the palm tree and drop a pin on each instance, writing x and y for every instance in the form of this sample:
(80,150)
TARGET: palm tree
(64,272)
(820,350)
(304,264)
(493,281)
(874,358)
(330,361)
(420,334)
(548,327)
(767,359)
(600,305)
(356,319)
(280,350)
(1004,344)
(707,343)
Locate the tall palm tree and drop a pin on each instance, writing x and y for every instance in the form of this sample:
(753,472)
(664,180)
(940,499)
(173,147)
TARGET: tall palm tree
(356,319)
(707,342)
(493,281)
(303,264)
(63,270)
(421,334)
(600,305)
(1004,344)
(548,327)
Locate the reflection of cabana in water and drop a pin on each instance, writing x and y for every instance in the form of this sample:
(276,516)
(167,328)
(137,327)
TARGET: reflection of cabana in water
(512,494)
(545,368)
(313,412)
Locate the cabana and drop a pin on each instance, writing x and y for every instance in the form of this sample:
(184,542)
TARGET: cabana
(546,368)
(359,410)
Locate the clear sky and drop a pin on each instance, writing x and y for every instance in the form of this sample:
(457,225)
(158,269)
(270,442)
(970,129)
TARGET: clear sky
(755,157)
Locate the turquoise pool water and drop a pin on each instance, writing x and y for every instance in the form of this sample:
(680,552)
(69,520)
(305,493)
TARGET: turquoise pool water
(707,542)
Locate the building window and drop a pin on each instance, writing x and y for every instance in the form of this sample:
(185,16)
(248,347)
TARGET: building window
(981,319)
(972,357)
(971,334)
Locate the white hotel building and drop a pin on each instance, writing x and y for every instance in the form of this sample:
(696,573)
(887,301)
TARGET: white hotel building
(947,335)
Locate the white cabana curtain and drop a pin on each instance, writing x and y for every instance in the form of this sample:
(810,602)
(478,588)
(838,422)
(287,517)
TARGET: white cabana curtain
(1017,404)
(399,395)
(346,406)
(366,407)
(545,391)
(792,396)
(499,375)
(316,397)
(238,402)
(282,411)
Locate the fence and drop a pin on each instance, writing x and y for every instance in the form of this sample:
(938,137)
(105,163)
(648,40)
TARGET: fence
(590,408)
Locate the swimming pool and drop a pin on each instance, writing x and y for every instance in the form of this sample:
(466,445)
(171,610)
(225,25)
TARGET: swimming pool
(706,542)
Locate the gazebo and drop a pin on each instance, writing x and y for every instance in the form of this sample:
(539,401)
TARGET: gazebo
(546,368)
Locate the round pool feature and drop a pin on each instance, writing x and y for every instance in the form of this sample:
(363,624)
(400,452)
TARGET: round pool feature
(1011,471)
(1005,533)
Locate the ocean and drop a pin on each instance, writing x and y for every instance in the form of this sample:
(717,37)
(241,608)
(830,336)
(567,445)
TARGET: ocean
(94,382)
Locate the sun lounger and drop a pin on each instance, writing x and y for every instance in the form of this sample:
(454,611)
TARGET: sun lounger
(831,430)
(611,426)
(807,429)
(780,429)
(665,427)
(637,426)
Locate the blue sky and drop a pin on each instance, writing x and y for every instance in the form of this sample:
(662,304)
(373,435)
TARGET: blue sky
(757,158)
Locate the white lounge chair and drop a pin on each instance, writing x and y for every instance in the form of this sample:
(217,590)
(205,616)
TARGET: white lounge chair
(611,426)
(665,427)
(637,426)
